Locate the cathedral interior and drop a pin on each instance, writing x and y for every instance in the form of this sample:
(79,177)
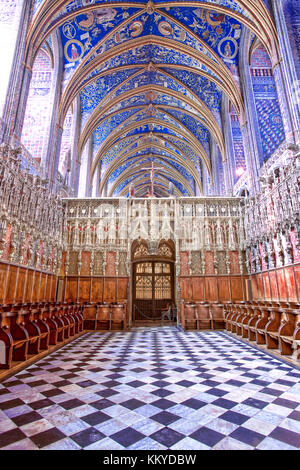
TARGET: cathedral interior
(150,225)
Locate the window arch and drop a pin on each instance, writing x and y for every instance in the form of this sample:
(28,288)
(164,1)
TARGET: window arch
(36,128)
(270,122)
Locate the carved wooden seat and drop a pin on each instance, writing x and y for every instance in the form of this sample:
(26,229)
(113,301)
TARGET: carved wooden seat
(49,318)
(90,316)
(67,312)
(78,312)
(256,313)
(63,323)
(103,317)
(241,318)
(18,333)
(237,320)
(34,333)
(217,316)
(231,318)
(44,328)
(118,317)
(60,323)
(228,312)
(246,318)
(272,329)
(262,323)
(203,313)
(75,312)
(287,329)
(6,343)
(190,316)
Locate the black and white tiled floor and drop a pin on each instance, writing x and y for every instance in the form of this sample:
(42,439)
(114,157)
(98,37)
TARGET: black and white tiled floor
(152,389)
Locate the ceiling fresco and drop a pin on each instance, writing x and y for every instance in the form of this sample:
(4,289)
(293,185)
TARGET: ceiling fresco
(150,78)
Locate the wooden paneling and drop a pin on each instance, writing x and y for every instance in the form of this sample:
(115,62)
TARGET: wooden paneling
(297,279)
(254,288)
(28,288)
(53,287)
(84,289)
(186,289)
(97,289)
(291,284)
(273,285)
(42,287)
(211,289)
(282,284)
(277,284)
(11,284)
(36,286)
(237,291)
(197,288)
(21,285)
(122,290)
(267,289)
(48,287)
(260,286)
(3,274)
(224,289)
(110,289)
(71,289)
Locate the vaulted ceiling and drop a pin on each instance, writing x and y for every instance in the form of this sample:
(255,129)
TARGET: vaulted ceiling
(149,77)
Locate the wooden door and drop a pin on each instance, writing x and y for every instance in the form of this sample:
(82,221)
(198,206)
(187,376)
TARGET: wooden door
(153,288)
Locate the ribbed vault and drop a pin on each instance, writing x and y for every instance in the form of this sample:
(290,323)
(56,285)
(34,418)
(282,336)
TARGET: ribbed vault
(150,79)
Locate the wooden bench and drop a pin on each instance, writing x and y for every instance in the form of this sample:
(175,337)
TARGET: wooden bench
(228,312)
(78,310)
(12,320)
(244,316)
(74,310)
(264,317)
(43,327)
(203,314)
(288,331)
(217,316)
(236,322)
(6,343)
(255,316)
(62,322)
(103,317)
(90,315)
(189,316)
(246,319)
(234,314)
(34,333)
(272,328)
(49,318)
(67,310)
(117,316)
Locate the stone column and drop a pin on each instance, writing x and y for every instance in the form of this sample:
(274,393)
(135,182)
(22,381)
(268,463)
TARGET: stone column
(228,164)
(56,86)
(76,161)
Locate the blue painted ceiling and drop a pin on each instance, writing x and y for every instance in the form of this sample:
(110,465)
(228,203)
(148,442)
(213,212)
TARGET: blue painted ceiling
(142,69)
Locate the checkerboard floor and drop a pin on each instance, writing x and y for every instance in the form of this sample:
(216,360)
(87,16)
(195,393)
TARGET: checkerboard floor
(152,389)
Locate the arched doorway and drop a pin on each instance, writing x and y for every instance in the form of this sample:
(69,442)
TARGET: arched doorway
(153,280)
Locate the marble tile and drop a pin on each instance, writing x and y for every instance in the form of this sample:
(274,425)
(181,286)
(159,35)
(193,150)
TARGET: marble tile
(103,395)
(36,427)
